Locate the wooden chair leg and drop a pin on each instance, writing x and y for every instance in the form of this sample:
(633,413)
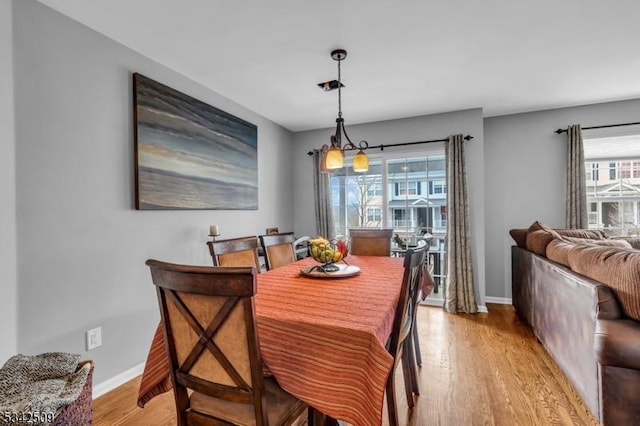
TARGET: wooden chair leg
(392,408)
(407,372)
(413,384)
(311,416)
(416,343)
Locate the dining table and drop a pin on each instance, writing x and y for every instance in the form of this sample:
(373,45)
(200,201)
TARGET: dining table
(322,338)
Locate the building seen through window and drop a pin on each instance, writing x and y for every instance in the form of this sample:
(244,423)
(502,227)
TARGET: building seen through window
(408,194)
(612,167)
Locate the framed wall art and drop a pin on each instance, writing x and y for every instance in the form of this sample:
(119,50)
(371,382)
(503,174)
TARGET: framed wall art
(191,155)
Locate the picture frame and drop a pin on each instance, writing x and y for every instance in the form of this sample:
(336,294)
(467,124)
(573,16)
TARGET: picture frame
(190,155)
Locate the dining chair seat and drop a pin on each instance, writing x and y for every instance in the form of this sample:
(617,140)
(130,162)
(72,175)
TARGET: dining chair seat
(281,406)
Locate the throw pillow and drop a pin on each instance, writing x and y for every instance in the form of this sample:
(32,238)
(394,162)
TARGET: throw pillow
(537,241)
(519,235)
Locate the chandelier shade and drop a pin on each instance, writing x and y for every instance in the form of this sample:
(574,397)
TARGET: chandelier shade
(333,153)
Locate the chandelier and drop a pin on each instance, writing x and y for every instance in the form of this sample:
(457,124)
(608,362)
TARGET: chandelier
(333,154)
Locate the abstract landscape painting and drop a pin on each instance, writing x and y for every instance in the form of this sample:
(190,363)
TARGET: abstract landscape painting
(190,155)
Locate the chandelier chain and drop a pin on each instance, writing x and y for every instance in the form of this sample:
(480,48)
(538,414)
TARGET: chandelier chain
(339,91)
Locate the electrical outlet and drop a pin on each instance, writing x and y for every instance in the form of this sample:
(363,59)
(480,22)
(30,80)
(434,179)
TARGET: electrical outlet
(94,338)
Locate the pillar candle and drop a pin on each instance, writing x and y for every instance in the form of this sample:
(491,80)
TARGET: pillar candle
(214,230)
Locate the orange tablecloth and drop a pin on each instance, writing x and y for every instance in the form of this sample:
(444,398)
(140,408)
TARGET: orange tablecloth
(322,339)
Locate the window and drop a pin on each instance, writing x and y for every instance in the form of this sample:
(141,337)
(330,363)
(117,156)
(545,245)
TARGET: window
(407,188)
(374,214)
(625,169)
(406,193)
(354,195)
(437,187)
(612,171)
(374,190)
(613,203)
(592,172)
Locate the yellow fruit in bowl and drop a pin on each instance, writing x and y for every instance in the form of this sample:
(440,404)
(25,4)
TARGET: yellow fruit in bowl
(327,254)
(322,251)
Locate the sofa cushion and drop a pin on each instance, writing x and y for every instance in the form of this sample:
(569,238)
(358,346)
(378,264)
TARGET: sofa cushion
(558,251)
(519,235)
(633,240)
(598,242)
(618,268)
(592,234)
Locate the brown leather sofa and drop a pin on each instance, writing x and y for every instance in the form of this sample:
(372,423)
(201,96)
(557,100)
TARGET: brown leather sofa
(586,321)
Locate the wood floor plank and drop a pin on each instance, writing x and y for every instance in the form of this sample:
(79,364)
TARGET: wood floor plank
(483,369)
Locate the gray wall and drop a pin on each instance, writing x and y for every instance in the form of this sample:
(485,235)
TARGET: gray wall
(397,131)
(8,280)
(81,244)
(525,163)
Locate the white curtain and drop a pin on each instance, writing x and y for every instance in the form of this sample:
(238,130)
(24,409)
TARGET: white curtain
(459,288)
(576,181)
(322,191)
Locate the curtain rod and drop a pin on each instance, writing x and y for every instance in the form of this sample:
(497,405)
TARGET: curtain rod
(382,147)
(559,131)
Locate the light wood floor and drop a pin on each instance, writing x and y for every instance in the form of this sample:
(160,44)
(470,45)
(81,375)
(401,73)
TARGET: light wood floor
(484,369)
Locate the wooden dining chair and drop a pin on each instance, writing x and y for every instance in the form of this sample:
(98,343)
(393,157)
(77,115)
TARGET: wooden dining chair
(208,320)
(370,242)
(279,249)
(400,341)
(235,252)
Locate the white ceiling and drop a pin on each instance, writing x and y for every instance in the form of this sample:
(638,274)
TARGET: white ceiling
(406,58)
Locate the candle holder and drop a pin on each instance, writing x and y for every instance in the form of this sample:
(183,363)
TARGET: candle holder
(214,231)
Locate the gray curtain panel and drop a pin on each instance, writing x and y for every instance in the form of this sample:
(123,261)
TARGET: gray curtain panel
(576,181)
(322,191)
(459,291)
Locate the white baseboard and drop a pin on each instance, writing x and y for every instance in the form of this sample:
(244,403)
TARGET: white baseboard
(498,300)
(120,379)
(439,302)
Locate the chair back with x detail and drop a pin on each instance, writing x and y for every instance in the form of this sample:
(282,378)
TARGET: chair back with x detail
(208,319)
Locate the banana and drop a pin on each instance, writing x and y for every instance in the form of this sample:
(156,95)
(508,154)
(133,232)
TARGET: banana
(319,240)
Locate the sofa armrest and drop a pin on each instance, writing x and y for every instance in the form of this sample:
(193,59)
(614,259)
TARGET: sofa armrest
(617,343)
(607,306)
